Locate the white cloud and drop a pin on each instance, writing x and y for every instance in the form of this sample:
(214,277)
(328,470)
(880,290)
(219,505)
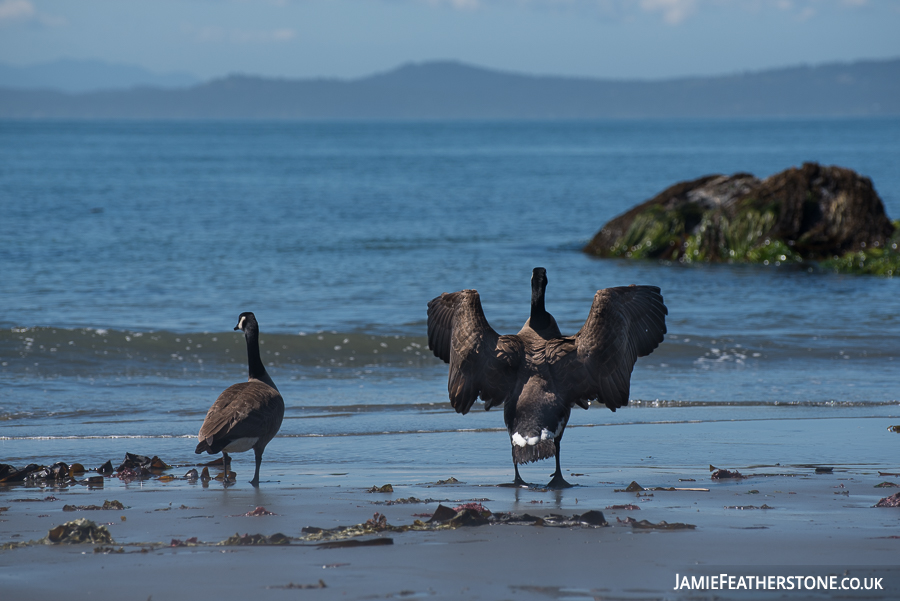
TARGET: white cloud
(23,11)
(283,35)
(673,11)
(806,14)
(16,10)
(242,36)
(457,4)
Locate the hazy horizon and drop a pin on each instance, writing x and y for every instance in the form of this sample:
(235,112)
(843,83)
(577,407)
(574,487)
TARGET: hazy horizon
(340,39)
(182,78)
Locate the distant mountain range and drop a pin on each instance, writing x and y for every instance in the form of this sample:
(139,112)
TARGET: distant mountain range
(75,76)
(450,90)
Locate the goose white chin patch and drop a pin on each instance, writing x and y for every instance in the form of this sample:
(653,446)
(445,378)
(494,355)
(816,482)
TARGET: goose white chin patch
(240,445)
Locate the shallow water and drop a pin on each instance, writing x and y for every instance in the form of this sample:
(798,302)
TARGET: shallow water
(129,249)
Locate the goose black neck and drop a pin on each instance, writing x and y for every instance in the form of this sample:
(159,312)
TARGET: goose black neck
(539,316)
(257,369)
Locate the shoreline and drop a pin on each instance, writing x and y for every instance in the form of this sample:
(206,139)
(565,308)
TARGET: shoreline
(821,524)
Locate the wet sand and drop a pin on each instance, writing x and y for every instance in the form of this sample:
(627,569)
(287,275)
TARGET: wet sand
(815,524)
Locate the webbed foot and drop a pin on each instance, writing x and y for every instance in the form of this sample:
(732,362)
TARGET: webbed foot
(558,482)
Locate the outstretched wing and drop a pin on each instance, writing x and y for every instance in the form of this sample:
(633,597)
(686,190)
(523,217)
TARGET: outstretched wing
(482,363)
(624,323)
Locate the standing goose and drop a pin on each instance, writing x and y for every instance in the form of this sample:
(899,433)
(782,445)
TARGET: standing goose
(246,415)
(539,374)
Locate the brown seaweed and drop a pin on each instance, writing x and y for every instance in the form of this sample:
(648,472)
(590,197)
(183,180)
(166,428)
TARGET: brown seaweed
(721,474)
(633,487)
(79,531)
(443,518)
(341,544)
(15,475)
(591,518)
(645,525)
(106,506)
(406,501)
(891,501)
(472,514)
(385,488)
(291,585)
(57,471)
(128,474)
(133,461)
(191,542)
(469,514)
(44,500)
(256,539)
(258,512)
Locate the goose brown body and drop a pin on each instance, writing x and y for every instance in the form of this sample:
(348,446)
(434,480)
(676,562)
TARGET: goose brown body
(538,374)
(246,415)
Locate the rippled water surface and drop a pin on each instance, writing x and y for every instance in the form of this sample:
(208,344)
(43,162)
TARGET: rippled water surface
(129,249)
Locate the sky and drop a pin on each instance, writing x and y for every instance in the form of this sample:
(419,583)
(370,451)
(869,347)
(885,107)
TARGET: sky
(620,39)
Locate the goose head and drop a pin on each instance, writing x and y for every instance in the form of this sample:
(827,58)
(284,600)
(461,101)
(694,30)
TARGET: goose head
(246,322)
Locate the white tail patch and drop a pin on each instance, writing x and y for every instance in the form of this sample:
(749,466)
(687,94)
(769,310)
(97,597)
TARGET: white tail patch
(240,445)
(519,440)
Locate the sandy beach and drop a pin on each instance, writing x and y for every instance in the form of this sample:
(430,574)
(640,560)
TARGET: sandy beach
(782,519)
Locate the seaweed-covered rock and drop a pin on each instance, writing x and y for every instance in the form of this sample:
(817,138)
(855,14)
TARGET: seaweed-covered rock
(817,213)
(891,501)
(77,532)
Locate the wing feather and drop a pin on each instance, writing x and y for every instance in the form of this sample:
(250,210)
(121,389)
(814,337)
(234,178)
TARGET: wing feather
(482,363)
(624,323)
(242,410)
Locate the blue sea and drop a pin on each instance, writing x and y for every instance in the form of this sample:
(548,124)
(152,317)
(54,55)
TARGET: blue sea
(128,250)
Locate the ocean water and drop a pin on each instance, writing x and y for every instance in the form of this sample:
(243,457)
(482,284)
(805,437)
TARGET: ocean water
(128,249)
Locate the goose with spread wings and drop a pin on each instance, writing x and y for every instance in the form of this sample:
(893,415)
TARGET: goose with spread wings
(539,375)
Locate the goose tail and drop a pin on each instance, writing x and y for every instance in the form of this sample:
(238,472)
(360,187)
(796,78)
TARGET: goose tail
(526,453)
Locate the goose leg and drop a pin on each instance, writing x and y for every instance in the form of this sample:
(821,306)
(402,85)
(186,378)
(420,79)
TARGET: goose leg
(258,453)
(518,481)
(558,481)
(226,463)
